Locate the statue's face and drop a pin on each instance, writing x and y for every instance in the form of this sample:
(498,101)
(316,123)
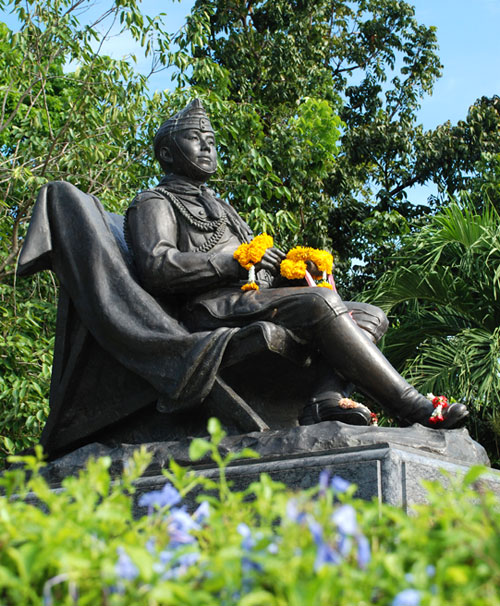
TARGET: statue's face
(197,155)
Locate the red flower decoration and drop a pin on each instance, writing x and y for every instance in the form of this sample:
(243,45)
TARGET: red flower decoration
(440,403)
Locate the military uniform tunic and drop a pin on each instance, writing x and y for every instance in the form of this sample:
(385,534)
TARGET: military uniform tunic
(171,232)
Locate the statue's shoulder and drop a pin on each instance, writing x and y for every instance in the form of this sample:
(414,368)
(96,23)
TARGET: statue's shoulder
(146,196)
(147,206)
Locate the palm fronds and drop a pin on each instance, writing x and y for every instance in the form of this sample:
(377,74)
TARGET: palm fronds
(443,294)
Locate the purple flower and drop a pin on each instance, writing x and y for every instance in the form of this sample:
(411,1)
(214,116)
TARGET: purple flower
(326,555)
(180,524)
(345,519)
(60,578)
(293,513)
(324,478)
(166,556)
(364,552)
(273,548)
(166,497)
(125,568)
(316,531)
(171,566)
(247,542)
(338,484)
(248,565)
(202,512)
(188,559)
(430,570)
(183,563)
(407,597)
(344,545)
(244,530)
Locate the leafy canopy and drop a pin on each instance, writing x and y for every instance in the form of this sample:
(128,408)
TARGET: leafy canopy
(444,290)
(261,546)
(68,112)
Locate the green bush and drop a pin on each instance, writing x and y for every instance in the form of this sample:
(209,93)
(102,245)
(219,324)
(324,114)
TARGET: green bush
(265,546)
(27,318)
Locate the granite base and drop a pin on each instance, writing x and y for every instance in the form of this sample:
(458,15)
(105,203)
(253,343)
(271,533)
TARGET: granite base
(388,464)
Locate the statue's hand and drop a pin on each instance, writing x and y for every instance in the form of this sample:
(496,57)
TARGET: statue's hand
(312,268)
(271,261)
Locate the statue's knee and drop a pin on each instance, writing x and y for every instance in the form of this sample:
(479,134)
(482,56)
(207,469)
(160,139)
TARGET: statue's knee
(384,322)
(371,319)
(323,303)
(378,322)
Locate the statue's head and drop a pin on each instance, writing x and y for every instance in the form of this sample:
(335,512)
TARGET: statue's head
(185,143)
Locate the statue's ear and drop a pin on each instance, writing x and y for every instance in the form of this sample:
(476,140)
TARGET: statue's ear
(166,155)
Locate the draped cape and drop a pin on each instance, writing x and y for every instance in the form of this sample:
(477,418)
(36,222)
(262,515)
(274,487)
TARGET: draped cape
(71,234)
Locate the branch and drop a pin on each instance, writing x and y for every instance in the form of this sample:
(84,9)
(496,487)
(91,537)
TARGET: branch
(79,101)
(406,184)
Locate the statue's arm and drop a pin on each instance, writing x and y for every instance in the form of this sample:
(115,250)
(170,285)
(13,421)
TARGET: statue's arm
(162,267)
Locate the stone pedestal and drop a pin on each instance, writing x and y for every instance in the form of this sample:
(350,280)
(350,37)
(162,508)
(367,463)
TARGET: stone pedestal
(386,463)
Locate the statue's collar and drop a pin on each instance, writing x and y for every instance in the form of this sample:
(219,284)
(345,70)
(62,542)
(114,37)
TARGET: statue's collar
(179,184)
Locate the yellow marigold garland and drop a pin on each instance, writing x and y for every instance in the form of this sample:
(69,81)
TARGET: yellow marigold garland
(294,266)
(250,253)
(293,270)
(250,286)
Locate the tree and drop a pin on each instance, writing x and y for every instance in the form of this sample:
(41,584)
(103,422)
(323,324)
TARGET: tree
(368,61)
(443,292)
(86,125)
(68,112)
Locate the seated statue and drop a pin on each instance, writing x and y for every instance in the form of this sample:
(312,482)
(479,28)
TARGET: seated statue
(183,239)
(152,314)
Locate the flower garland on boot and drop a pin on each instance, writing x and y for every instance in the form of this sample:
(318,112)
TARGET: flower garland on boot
(294,266)
(440,404)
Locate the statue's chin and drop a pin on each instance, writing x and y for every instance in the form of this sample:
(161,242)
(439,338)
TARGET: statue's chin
(193,171)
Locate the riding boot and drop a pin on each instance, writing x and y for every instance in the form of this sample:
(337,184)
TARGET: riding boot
(349,352)
(331,402)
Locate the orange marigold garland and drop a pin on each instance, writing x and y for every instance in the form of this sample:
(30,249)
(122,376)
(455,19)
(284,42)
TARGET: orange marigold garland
(250,286)
(250,253)
(294,266)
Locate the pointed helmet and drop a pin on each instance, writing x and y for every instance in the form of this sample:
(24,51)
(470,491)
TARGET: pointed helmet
(192,116)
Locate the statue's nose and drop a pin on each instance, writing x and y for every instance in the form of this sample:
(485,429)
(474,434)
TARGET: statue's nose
(204,144)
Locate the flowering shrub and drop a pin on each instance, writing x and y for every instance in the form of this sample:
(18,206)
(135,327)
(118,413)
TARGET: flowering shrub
(264,546)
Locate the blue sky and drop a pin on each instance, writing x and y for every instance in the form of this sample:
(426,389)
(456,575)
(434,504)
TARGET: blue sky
(468,35)
(469,41)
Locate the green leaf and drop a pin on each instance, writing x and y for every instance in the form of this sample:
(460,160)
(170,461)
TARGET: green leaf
(198,448)
(475,472)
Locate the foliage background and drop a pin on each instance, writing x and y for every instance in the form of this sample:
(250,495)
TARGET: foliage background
(315,108)
(263,546)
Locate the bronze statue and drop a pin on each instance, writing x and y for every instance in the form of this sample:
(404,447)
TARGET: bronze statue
(183,238)
(152,322)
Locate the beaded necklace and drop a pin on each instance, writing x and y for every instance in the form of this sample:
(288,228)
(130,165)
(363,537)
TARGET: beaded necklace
(217,226)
